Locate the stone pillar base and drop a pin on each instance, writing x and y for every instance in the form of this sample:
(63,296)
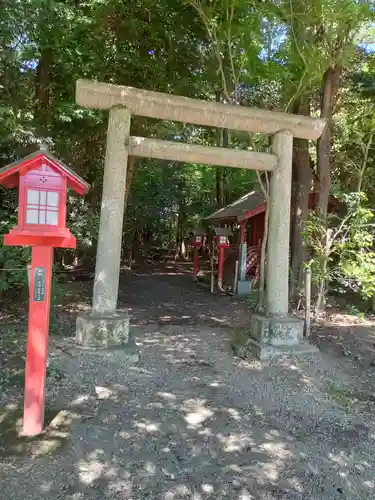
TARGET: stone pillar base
(271,336)
(243,287)
(105,331)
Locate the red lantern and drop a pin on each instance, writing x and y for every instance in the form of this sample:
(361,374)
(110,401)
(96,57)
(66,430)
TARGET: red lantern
(222,241)
(197,240)
(43,183)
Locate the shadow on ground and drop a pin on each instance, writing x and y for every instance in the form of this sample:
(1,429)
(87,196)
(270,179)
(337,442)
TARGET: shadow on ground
(190,421)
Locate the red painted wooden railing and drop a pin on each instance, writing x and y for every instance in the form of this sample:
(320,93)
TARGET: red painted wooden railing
(253,263)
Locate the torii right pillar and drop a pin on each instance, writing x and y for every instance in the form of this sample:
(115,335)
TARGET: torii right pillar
(277,332)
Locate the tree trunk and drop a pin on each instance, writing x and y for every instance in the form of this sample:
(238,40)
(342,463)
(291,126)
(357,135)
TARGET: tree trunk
(226,170)
(302,179)
(220,187)
(331,85)
(321,292)
(180,226)
(132,166)
(361,173)
(221,173)
(262,263)
(265,187)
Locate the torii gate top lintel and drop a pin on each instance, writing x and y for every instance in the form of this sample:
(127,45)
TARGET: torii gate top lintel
(160,105)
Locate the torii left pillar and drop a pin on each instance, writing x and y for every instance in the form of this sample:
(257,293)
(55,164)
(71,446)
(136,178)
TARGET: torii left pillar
(105,326)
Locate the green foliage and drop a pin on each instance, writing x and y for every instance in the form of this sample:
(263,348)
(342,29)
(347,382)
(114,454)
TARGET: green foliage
(343,247)
(84,224)
(341,395)
(356,247)
(13,260)
(265,55)
(57,293)
(13,356)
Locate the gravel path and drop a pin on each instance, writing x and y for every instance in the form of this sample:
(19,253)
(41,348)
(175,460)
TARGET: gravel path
(190,421)
(167,294)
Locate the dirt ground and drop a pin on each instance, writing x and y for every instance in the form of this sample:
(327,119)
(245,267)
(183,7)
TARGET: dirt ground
(190,421)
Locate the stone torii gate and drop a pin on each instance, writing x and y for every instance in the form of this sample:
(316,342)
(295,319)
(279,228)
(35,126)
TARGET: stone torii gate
(269,334)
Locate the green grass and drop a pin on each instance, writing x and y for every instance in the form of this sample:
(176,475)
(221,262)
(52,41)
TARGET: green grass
(13,358)
(341,395)
(12,444)
(12,355)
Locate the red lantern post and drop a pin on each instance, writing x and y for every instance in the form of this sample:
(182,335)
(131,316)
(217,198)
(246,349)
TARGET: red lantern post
(222,242)
(42,182)
(196,242)
(195,263)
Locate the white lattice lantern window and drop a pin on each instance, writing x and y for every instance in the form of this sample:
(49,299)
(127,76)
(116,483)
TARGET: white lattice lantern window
(196,240)
(42,207)
(222,241)
(43,199)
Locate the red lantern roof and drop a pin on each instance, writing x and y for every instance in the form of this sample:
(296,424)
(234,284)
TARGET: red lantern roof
(9,175)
